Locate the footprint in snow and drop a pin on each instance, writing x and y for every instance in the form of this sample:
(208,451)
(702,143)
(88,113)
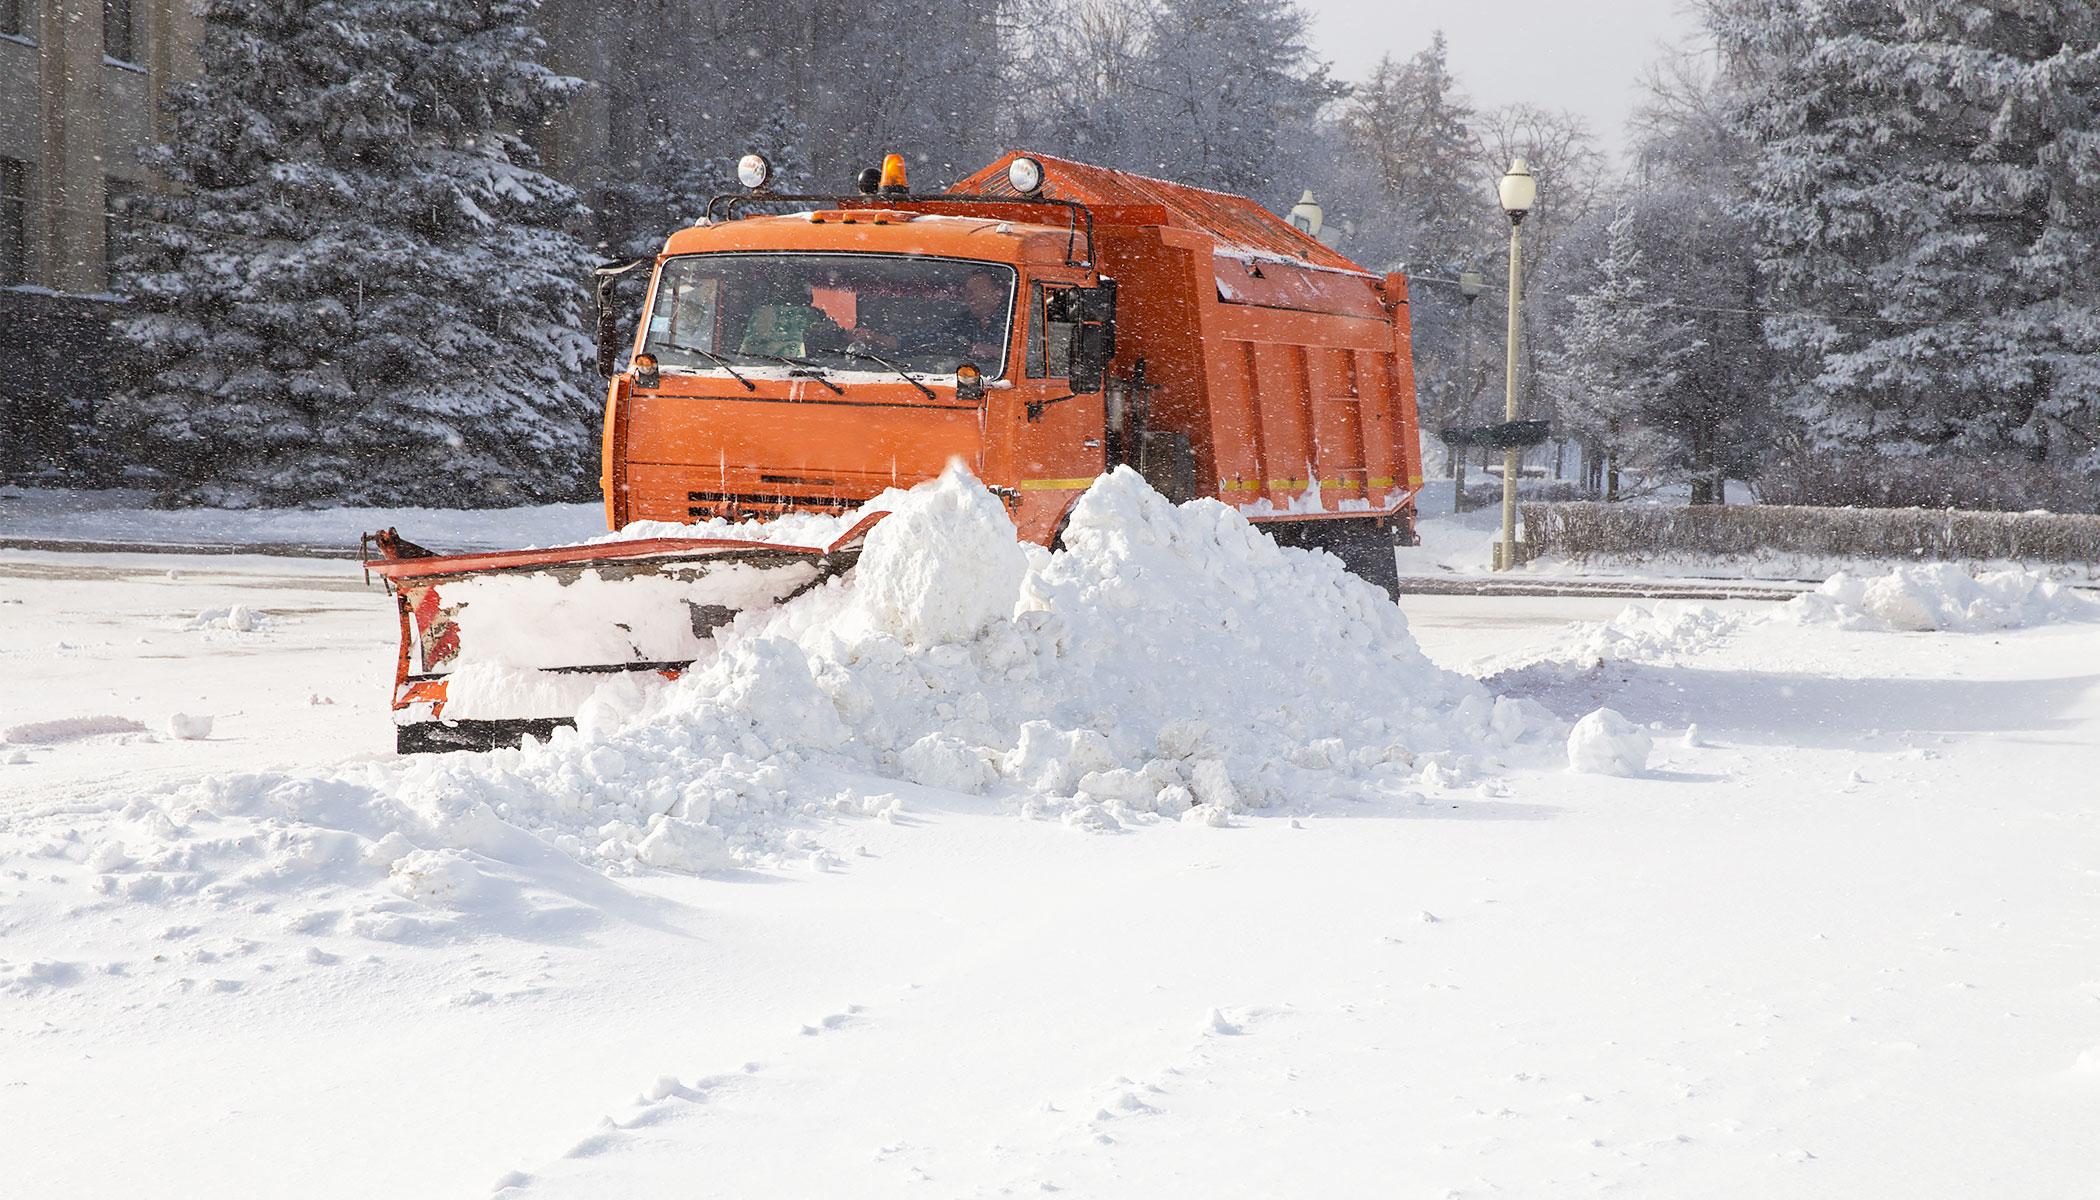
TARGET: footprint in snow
(834,1021)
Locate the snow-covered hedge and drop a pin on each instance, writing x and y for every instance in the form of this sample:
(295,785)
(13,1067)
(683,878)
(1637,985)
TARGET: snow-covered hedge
(1583,530)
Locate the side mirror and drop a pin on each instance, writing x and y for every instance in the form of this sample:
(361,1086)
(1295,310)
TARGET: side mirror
(609,316)
(1093,312)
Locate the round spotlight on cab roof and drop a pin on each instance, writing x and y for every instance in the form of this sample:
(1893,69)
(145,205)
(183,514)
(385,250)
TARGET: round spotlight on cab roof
(753,171)
(1026,175)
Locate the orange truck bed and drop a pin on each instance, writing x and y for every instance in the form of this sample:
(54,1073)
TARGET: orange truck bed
(1285,364)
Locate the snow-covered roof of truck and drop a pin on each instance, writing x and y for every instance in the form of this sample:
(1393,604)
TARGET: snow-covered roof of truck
(1235,220)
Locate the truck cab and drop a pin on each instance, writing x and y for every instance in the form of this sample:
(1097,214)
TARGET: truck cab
(809,362)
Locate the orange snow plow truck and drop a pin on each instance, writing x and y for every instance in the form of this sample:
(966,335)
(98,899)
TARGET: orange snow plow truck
(1043,321)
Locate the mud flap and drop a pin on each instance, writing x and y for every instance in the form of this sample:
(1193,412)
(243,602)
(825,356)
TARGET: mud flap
(1365,544)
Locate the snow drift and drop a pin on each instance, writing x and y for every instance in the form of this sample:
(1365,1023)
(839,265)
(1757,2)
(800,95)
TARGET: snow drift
(1172,662)
(1942,596)
(1930,596)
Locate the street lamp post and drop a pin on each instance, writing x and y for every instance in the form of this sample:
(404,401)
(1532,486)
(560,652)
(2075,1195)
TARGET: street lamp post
(1306,215)
(1518,191)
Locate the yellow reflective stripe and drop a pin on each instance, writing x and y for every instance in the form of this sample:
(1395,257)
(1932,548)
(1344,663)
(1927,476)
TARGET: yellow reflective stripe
(1255,485)
(1056,485)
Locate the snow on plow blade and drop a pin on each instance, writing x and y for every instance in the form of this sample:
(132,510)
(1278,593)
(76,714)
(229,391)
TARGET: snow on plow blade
(498,645)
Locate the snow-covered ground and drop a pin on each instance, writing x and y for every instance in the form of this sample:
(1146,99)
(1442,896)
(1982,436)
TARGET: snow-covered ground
(1453,544)
(981,909)
(127,516)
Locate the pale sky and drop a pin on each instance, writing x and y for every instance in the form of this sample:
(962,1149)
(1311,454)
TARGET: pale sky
(1582,55)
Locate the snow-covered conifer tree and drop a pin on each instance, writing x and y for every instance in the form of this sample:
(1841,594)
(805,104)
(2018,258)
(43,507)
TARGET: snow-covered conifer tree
(673,190)
(363,290)
(1412,124)
(1926,191)
(1222,94)
(1621,358)
(1407,130)
(1232,83)
(1678,238)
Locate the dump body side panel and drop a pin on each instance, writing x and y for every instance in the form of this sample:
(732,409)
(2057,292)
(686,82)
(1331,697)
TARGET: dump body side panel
(1286,399)
(1404,430)
(1320,408)
(1283,377)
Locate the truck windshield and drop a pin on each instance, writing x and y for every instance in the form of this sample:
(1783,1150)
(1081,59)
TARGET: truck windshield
(845,311)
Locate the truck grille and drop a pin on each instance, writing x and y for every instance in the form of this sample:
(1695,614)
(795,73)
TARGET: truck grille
(704,505)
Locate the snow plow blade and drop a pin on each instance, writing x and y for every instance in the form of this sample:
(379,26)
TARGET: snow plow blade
(499,645)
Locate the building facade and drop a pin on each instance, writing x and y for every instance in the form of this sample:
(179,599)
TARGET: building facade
(79,84)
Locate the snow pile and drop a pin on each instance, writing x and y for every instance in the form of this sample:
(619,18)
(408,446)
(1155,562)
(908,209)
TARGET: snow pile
(1932,596)
(1170,658)
(66,729)
(1669,629)
(1606,743)
(787,529)
(1173,663)
(188,727)
(938,571)
(236,618)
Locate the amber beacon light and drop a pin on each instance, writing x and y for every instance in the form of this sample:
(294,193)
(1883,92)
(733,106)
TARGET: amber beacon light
(893,181)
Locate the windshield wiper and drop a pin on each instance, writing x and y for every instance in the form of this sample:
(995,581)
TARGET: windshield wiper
(892,366)
(719,361)
(816,370)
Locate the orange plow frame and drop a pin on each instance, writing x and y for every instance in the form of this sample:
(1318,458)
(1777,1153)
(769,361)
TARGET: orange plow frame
(430,638)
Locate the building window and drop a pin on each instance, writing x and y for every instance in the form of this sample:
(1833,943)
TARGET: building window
(11,18)
(117,227)
(117,40)
(14,222)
